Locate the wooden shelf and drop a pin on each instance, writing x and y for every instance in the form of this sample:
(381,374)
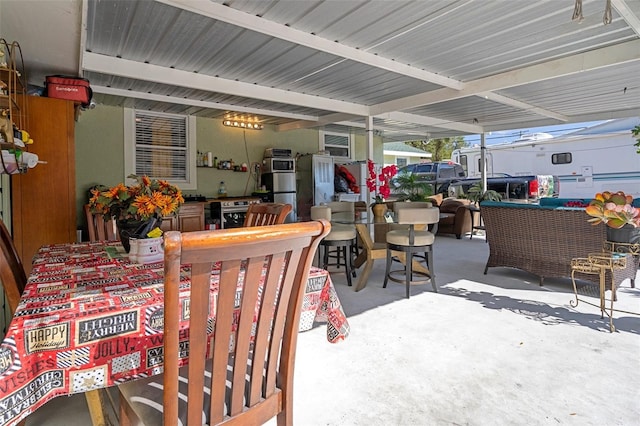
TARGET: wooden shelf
(9,75)
(14,93)
(8,102)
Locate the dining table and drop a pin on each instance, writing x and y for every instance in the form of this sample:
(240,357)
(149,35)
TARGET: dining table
(89,318)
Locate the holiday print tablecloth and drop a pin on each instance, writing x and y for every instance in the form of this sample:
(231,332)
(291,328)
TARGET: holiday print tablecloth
(89,319)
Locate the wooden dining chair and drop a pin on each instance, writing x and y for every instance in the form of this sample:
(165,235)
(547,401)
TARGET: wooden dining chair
(12,272)
(99,228)
(260,214)
(240,360)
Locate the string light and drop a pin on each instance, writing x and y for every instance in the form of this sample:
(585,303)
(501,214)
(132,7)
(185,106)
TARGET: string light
(242,122)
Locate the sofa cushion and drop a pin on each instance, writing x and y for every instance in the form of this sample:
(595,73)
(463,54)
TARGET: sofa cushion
(436,199)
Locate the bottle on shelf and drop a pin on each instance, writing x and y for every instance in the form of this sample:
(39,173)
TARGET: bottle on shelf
(222,190)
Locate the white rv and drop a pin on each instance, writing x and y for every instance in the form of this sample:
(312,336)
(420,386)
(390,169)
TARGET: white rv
(595,159)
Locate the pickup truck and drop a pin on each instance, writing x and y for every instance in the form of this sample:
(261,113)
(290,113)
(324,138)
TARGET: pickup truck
(450,179)
(522,188)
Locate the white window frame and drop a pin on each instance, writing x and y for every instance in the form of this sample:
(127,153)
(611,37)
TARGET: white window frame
(347,135)
(130,148)
(402,159)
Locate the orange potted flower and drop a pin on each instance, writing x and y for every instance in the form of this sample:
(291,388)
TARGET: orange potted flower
(137,209)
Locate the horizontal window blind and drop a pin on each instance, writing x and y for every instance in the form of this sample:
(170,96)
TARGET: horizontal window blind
(161,145)
(338,145)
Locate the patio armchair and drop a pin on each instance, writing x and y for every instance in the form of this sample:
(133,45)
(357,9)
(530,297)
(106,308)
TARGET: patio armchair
(454,217)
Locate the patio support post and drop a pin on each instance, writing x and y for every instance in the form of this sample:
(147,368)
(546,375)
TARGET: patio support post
(483,162)
(369,149)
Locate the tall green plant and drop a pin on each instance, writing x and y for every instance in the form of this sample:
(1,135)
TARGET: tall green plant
(636,132)
(409,187)
(476,195)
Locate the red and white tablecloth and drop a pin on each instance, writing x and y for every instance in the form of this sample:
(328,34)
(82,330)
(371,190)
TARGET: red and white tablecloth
(89,319)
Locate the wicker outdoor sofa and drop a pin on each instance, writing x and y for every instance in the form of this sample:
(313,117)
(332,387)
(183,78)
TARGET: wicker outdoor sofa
(542,239)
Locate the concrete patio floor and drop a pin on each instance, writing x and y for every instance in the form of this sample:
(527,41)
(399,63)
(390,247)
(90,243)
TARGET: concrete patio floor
(493,349)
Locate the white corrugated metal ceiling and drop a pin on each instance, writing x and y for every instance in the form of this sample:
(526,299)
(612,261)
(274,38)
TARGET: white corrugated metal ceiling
(421,69)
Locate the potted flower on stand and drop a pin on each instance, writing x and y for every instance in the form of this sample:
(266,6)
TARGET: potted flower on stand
(617,212)
(137,209)
(381,191)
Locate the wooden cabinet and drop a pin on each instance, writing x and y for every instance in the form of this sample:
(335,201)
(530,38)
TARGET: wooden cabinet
(169,223)
(190,218)
(43,199)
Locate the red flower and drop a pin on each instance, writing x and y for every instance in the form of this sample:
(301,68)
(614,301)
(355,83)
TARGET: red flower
(383,191)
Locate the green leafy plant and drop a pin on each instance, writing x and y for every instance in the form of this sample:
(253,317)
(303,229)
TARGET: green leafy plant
(409,186)
(636,132)
(475,194)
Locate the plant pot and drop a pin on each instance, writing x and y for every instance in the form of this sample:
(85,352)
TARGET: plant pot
(146,250)
(626,234)
(379,210)
(128,229)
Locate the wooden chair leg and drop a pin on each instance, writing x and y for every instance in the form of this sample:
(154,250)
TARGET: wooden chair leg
(127,415)
(364,275)
(96,406)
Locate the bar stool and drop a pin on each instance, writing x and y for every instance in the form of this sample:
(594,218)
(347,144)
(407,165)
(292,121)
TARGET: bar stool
(342,210)
(342,236)
(345,212)
(412,242)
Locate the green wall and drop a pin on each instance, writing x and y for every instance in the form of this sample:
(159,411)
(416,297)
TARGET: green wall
(99,138)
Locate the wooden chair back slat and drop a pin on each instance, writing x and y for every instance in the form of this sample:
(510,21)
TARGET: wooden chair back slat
(260,356)
(262,214)
(100,229)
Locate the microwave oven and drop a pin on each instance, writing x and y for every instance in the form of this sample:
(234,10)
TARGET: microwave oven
(278,165)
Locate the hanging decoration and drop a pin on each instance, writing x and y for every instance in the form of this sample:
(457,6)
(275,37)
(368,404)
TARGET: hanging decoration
(577,12)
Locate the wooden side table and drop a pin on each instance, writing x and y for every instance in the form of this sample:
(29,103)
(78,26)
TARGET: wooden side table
(599,263)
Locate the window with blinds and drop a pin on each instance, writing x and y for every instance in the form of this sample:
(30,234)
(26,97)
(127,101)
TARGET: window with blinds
(161,147)
(336,144)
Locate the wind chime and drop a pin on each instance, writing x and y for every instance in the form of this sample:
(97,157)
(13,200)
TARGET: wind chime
(577,12)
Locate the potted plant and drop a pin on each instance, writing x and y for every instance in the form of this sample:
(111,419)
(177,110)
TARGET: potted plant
(410,186)
(617,212)
(137,209)
(476,195)
(381,191)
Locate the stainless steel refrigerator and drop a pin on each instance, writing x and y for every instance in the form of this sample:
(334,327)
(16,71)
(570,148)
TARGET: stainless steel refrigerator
(281,188)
